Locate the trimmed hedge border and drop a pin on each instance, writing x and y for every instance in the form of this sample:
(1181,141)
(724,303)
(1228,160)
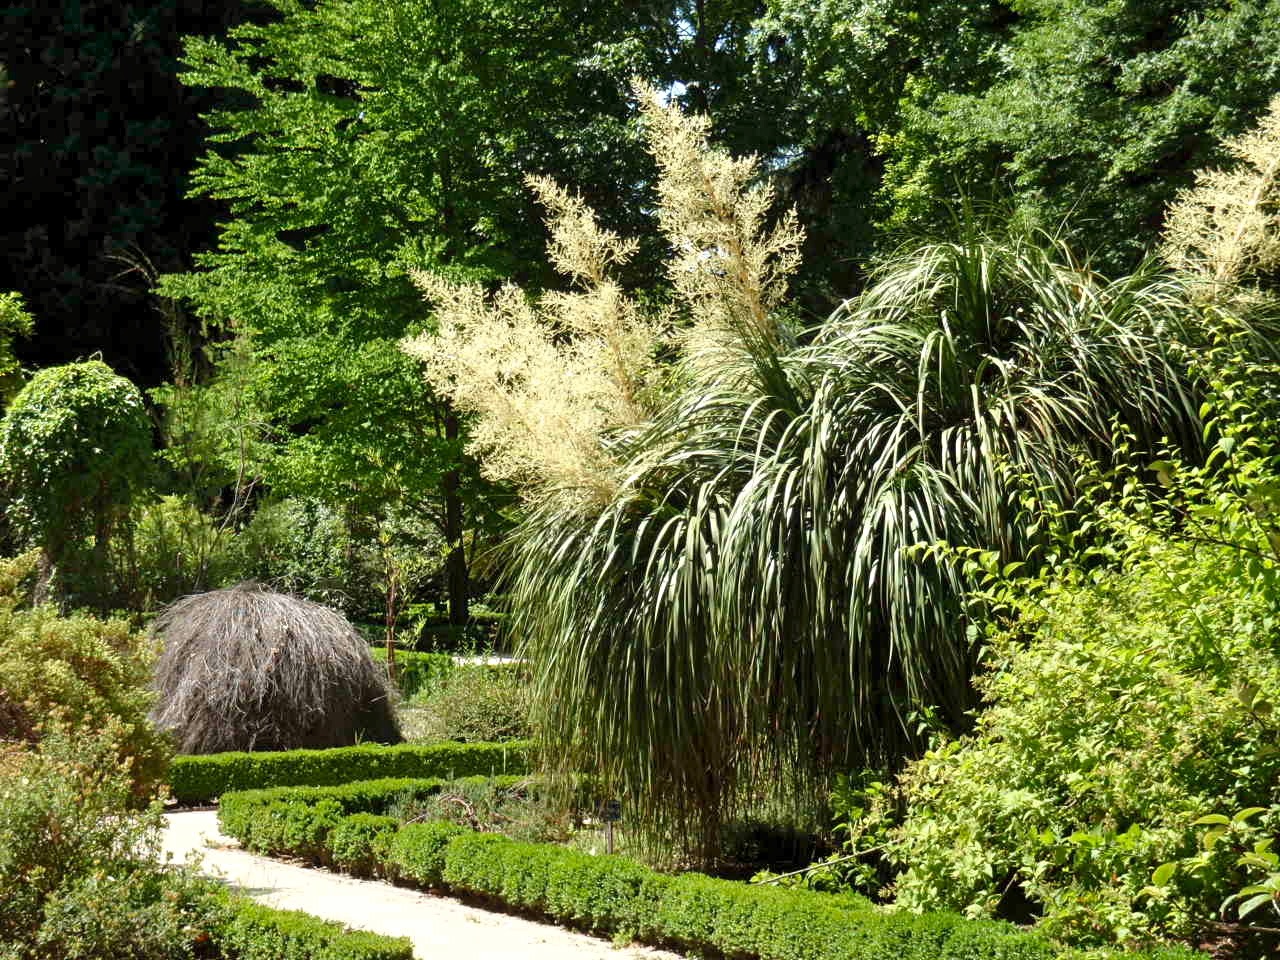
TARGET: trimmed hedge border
(293,820)
(618,897)
(252,931)
(195,780)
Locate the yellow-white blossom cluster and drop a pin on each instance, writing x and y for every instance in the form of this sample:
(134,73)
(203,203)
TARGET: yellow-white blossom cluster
(1226,228)
(553,383)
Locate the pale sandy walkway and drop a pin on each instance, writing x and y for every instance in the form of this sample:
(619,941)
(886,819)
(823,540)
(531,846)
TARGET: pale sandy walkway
(438,926)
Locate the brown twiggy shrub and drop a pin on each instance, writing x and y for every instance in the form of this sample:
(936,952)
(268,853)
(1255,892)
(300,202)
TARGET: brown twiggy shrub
(246,668)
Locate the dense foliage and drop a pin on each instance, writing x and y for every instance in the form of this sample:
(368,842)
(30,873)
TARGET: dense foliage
(75,448)
(81,870)
(74,676)
(744,549)
(199,779)
(99,136)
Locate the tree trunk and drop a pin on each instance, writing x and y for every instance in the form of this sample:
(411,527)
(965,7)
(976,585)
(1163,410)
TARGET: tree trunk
(456,574)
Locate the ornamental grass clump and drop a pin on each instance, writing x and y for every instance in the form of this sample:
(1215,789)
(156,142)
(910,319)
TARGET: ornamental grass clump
(248,669)
(736,613)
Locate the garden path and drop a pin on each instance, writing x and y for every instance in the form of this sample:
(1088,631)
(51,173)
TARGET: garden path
(438,926)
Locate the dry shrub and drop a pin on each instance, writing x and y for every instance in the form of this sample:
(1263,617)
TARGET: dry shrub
(249,669)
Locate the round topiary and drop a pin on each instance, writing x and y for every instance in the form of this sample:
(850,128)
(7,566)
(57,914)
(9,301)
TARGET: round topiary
(75,446)
(249,669)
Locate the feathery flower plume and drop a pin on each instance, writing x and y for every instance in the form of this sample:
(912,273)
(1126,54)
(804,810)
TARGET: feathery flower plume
(1227,227)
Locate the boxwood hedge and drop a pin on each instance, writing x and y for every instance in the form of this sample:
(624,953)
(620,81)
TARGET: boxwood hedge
(200,779)
(251,931)
(613,895)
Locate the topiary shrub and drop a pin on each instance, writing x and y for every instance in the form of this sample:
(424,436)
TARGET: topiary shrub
(249,669)
(75,447)
(359,843)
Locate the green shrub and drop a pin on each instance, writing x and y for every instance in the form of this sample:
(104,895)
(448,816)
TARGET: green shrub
(255,932)
(474,704)
(177,550)
(294,827)
(416,852)
(75,447)
(241,814)
(79,866)
(360,844)
(199,779)
(617,896)
(79,673)
(521,810)
(418,673)
(1141,704)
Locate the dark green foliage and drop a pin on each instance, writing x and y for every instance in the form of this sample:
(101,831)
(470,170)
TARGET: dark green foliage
(75,448)
(416,852)
(1089,119)
(198,779)
(99,136)
(255,932)
(360,844)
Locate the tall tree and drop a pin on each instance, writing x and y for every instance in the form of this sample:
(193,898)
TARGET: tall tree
(1097,114)
(379,137)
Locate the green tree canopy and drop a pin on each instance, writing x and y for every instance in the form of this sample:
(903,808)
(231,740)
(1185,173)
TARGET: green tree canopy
(380,137)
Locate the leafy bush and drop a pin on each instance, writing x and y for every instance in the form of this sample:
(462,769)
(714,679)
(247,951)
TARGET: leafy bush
(14,322)
(476,703)
(520,810)
(240,813)
(616,896)
(78,673)
(416,852)
(75,447)
(177,550)
(79,868)
(697,913)
(360,844)
(418,673)
(1141,705)
(198,779)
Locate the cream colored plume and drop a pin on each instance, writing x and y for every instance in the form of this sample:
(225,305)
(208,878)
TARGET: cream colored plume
(1226,228)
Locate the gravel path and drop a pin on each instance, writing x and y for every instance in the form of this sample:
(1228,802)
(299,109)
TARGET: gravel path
(438,926)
